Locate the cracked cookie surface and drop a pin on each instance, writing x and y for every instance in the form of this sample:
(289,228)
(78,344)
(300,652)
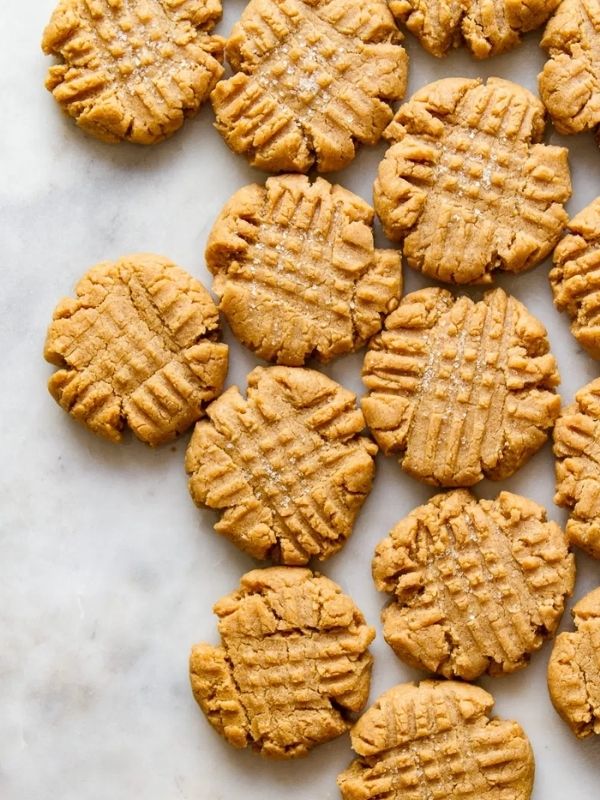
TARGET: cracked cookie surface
(574,669)
(575,277)
(297,271)
(577,452)
(477,586)
(570,81)
(436,740)
(313,79)
(486,27)
(138,347)
(292,666)
(467,186)
(133,69)
(460,390)
(286,467)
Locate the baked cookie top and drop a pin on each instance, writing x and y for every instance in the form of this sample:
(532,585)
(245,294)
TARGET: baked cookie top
(137,346)
(313,78)
(477,586)
(467,185)
(574,669)
(570,81)
(575,277)
(133,69)
(436,740)
(577,451)
(286,466)
(486,27)
(292,665)
(460,390)
(297,271)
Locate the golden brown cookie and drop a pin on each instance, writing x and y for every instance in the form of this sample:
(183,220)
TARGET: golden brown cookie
(133,69)
(460,390)
(467,185)
(575,278)
(297,271)
(574,669)
(138,346)
(486,27)
(436,741)
(313,78)
(570,81)
(292,665)
(477,586)
(286,467)
(577,451)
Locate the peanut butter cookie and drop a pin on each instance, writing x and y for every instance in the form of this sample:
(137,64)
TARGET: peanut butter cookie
(133,69)
(477,585)
(436,740)
(577,451)
(575,279)
(570,81)
(137,346)
(297,271)
(460,390)
(292,665)
(574,669)
(487,27)
(286,467)
(313,79)
(467,185)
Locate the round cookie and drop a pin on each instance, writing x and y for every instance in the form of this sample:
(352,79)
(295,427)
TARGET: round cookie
(292,666)
(574,669)
(467,185)
(436,740)
(486,27)
(460,390)
(133,69)
(477,586)
(297,271)
(313,78)
(577,451)
(138,346)
(570,81)
(286,467)
(575,277)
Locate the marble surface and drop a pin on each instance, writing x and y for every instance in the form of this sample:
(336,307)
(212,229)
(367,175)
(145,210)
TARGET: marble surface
(107,570)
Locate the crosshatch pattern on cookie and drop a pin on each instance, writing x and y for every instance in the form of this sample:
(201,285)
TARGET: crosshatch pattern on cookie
(460,390)
(314,78)
(286,467)
(292,666)
(466,185)
(297,270)
(477,586)
(133,69)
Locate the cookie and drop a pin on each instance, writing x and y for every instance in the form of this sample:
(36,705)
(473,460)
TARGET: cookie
(460,390)
(467,186)
(574,669)
(436,740)
(297,271)
(285,467)
(486,27)
(133,69)
(570,81)
(574,278)
(292,666)
(577,451)
(313,78)
(138,346)
(477,586)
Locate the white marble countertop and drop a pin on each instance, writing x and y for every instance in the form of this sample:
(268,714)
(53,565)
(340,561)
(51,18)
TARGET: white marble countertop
(108,571)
